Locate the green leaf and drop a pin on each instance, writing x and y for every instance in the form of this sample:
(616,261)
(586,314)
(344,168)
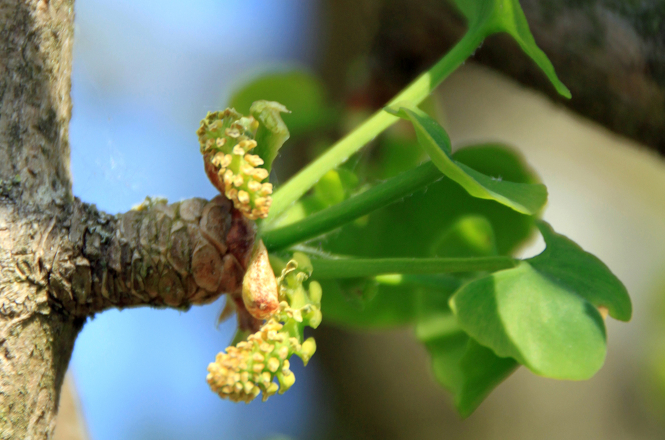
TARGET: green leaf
(353,209)
(542,313)
(389,306)
(524,198)
(303,208)
(461,365)
(335,186)
(299,91)
(407,228)
(495,16)
(482,371)
(391,301)
(565,261)
(398,152)
(446,353)
(522,314)
(470,236)
(272,131)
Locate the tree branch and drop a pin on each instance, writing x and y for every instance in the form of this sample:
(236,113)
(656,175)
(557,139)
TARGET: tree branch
(59,266)
(610,53)
(62,260)
(177,255)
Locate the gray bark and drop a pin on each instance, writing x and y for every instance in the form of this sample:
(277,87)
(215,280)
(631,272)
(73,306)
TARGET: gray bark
(61,260)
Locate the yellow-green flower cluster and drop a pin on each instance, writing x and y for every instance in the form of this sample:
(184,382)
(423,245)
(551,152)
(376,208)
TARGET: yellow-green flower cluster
(295,302)
(244,371)
(250,367)
(226,140)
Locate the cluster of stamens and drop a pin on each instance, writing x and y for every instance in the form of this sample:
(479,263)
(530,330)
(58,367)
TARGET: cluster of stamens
(250,368)
(244,371)
(226,139)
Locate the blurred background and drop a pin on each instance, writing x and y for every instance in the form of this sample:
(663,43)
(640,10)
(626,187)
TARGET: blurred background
(146,72)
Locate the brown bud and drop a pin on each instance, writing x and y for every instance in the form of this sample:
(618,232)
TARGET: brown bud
(259,287)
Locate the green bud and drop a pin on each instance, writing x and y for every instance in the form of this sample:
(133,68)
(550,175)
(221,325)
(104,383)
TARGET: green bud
(307,350)
(314,318)
(303,262)
(315,292)
(286,380)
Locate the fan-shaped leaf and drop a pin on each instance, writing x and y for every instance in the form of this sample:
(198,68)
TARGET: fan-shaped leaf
(526,198)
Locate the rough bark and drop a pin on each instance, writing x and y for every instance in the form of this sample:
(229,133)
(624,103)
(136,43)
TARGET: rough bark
(177,255)
(35,106)
(610,53)
(35,65)
(61,260)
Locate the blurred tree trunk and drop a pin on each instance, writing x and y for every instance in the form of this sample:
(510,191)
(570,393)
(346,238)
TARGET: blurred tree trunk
(70,422)
(610,53)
